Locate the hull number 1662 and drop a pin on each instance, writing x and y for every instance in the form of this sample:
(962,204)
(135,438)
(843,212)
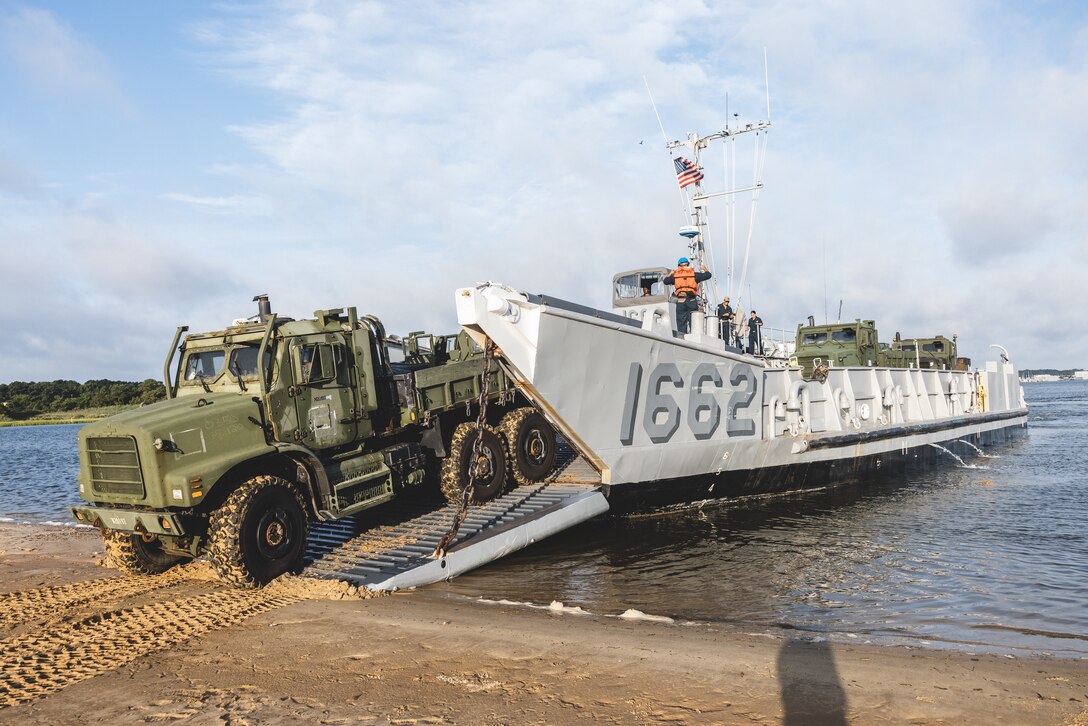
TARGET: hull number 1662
(661,413)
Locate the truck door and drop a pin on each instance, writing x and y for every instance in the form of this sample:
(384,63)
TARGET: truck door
(325,398)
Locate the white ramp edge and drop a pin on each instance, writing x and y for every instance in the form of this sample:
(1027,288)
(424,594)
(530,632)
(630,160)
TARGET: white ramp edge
(499,542)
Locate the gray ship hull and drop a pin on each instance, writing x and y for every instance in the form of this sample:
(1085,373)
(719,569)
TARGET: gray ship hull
(669,419)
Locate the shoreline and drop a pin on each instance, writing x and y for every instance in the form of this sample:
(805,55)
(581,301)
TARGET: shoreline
(925,643)
(48,422)
(294,653)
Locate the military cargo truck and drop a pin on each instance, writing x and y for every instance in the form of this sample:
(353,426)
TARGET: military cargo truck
(842,345)
(936,352)
(856,344)
(271,423)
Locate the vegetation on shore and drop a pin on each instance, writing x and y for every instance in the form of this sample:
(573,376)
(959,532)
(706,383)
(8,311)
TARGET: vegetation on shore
(23,403)
(1068,373)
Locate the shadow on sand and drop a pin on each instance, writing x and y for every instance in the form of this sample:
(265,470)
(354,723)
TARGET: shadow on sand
(811,690)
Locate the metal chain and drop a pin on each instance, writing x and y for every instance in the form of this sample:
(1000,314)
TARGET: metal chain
(477,449)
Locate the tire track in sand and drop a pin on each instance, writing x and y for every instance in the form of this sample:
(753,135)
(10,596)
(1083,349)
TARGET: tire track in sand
(38,664)
(25,606)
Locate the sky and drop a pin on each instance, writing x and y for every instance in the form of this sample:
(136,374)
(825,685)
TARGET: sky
(162,163)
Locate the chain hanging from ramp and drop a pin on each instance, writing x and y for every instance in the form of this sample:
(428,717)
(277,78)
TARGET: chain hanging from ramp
(477,445)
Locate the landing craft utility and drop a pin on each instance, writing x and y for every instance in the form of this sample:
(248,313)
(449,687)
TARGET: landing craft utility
(272,422)
(673,416)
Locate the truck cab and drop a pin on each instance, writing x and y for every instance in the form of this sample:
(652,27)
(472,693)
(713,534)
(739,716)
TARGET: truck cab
(272,422)
(841,345)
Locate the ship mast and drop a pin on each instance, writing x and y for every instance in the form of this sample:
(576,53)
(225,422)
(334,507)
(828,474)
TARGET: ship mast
(697,232)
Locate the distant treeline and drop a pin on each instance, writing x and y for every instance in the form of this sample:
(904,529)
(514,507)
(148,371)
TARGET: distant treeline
(1049,372)
(21,400)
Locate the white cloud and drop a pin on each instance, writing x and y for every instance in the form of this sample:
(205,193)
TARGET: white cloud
(934,155)
(55,58)
(235,203)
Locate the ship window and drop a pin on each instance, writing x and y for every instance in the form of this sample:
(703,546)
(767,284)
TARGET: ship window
(639,284)
(205,364)
(627,287)
(846,335)
(813,338)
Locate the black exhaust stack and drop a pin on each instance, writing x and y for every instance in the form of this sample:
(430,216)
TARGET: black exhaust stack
(264,308)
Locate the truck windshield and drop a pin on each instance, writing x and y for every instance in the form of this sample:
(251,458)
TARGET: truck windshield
(847,335)
(203,364)
(243,361)
(813,338)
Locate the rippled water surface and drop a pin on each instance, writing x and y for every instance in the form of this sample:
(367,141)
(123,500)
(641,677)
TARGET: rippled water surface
(38,467)
(993,557)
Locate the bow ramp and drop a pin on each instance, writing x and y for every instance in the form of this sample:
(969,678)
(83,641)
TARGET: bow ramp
(391,549)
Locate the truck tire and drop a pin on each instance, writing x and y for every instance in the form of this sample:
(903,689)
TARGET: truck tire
(530,439)
(133,554)
(490,477)
(258,533)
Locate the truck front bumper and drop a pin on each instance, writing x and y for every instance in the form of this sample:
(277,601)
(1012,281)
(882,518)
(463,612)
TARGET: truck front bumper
(127,520)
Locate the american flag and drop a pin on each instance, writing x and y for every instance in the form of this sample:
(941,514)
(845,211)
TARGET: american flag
(686,172)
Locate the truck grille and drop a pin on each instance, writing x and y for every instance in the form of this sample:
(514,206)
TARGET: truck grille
(115,466)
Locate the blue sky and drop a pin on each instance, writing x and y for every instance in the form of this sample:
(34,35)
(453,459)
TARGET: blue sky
(161,163)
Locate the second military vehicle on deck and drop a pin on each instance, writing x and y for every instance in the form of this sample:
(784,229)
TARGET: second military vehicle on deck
(938,352)
(273,422)
(856,345)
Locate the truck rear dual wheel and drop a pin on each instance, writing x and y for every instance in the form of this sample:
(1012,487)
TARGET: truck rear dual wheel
(490,466)
(137,555)
(530,440)
(258,533)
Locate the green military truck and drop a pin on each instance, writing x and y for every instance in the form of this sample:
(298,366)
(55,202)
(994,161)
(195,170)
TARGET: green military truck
(936,352)
(272,423)
(841,345)
(856,344)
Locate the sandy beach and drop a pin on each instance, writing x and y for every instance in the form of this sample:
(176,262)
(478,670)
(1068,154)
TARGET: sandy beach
(85,644)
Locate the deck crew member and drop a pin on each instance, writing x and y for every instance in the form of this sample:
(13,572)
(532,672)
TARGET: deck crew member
(725,315)
(755,335)
(686,281)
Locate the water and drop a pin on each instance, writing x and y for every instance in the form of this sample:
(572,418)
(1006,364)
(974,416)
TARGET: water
(38,467)
(988,559)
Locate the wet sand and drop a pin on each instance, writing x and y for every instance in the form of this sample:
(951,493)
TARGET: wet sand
(84,644)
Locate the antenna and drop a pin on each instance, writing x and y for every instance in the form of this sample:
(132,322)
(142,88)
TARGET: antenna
(840,311)
(683,199)
(651,95)
(767,83)
(823,244)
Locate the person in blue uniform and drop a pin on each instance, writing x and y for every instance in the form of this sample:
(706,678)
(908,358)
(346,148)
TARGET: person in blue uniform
(755,336)
(725,315)
(685,282)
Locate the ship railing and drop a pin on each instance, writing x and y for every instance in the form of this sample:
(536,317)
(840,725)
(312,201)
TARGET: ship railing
(777,342)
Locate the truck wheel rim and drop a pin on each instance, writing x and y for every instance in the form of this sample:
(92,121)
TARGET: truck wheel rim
(536,448)
(274,533)
(485,465)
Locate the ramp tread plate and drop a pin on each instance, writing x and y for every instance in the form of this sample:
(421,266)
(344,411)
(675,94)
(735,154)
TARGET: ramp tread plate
(374,546)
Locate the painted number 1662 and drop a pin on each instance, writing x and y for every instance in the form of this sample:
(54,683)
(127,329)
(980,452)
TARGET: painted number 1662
(661,413)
